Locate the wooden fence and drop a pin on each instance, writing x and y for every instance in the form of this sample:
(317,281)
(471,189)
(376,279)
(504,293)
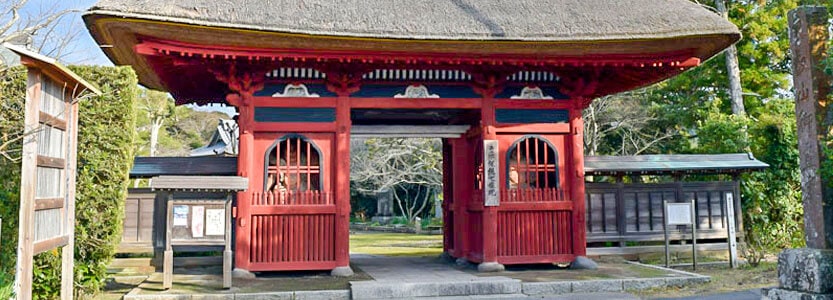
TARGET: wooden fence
(137,228)
(623,214)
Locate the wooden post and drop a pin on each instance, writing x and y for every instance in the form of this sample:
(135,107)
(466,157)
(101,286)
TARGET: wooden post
(448,197)
(342,186)
(227,253)
(68,251)
(168,268)
(576,179)
(463,181)
(28,182)
(244,169)
(487,121)
(620,211)
(808,42)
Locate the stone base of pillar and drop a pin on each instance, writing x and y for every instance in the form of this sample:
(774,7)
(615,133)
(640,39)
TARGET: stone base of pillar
(583,263)
(240,273)
(490,267)
(342,271)
(803,273)
(445,256)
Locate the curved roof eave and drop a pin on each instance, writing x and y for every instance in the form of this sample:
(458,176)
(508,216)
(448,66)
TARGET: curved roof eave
(666,34)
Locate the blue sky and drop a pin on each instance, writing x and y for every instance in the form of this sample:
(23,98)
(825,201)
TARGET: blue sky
(82,49)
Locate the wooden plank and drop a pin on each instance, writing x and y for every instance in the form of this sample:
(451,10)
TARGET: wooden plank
(292,266)
(653,249)
(294,127)
(532,104)
(293,209)
(28,183)
(49,244)
(51,162)
(48,119)
(558,128)
(536,259)
(317,102)
(535,206)
(410,103)
(49,203)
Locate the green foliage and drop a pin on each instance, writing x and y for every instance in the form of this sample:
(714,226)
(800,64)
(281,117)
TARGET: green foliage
(696,105)
(773,213)
(12,96)
(105,152)
(105,155)
(720,133)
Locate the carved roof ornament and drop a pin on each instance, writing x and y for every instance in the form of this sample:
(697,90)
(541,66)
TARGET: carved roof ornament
(532,93)
(416,91)
(295,90)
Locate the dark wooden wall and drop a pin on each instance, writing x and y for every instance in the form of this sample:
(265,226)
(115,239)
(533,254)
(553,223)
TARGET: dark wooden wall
(622,213)
(137,234)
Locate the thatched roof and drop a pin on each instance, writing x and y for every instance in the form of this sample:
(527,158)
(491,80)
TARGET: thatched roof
(527,20)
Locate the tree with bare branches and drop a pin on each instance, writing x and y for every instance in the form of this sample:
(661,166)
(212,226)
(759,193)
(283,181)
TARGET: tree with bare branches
(410,168)
(622,124)
(41,29)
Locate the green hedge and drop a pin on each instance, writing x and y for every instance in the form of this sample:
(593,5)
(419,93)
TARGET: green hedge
(105,152)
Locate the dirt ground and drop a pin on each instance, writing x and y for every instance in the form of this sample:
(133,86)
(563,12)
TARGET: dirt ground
(723,279)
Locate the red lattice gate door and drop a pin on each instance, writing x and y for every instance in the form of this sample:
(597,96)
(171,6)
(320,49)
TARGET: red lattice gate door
(293,216)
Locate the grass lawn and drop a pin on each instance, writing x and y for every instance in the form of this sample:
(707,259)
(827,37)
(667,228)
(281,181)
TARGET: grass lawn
(396,244)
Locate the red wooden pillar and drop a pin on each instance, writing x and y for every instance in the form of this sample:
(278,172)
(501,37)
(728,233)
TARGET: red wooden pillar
(462,189)
(576,143)
(448,198)
(490,239)
(245,122)
(341,161)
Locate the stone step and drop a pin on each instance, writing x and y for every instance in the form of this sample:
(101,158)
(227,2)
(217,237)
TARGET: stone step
(130,262)
(392,289)
(130,271)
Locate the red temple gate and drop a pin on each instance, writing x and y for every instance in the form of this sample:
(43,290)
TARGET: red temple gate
(299,93)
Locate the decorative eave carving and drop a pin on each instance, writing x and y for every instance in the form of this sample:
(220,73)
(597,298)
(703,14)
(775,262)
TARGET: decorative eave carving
(295,90)
(531,93)
(416,91)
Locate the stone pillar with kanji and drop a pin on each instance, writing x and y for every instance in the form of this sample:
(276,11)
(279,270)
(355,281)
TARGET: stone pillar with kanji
(807,273)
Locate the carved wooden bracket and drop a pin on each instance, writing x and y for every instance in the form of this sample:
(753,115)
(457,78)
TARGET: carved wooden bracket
(487,84)
(580,85)
(244,83)
(344,79)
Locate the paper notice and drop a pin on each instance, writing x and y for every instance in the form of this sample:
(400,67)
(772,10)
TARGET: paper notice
(215,222)
(198,222)
(180,215)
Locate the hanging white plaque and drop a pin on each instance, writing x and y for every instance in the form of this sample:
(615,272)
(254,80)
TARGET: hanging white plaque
(491,184)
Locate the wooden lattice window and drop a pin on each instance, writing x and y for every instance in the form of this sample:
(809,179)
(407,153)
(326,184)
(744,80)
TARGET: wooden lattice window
(532,163)
(293,163)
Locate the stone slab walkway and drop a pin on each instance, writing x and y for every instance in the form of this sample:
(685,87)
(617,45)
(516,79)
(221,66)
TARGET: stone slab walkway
(408,269)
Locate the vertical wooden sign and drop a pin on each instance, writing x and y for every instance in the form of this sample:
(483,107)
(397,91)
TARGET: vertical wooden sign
(808,42)
(48,165)
(491,186)
(730,226)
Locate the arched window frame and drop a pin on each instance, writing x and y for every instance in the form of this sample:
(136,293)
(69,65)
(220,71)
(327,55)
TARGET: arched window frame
(518,142)
(274,146)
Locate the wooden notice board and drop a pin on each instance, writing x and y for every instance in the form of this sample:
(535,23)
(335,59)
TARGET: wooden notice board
(48,164)
(197,222)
